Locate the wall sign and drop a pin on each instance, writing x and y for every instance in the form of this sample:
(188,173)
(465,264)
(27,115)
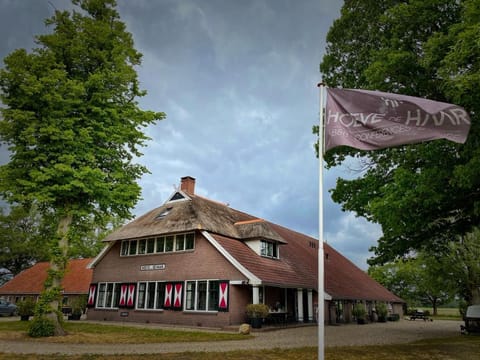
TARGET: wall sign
(152,267)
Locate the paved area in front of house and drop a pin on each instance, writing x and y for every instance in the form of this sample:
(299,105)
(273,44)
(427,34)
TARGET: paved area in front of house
(403,331)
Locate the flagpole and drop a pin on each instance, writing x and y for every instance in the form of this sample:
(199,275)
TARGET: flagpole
(321,265)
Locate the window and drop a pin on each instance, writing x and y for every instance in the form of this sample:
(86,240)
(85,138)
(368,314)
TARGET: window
(124,249)
(108,295)
(180,242)
(190,296)
(189,241)
(142,246)
(177,196)
(168,243)
(202,295)
(269,249)
(150,246)
(133,247)
(213,295)
(150,295)
(161,244)
(163,213)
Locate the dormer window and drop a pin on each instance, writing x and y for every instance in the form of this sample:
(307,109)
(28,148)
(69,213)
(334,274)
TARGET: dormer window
(269,249)
(163,213)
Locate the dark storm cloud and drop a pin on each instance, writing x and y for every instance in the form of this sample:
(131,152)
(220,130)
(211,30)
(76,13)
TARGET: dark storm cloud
(237,80)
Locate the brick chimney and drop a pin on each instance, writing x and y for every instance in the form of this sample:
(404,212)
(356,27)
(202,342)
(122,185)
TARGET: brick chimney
(188,185)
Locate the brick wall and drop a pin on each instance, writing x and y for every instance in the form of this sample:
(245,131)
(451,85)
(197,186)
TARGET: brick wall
(204,262)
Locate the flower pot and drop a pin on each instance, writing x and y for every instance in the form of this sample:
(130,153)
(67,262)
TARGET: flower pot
(74,316)
(256,323)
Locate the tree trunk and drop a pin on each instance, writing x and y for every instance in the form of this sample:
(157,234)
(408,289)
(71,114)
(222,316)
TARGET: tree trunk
(57,266)
(475,292)
(435,307)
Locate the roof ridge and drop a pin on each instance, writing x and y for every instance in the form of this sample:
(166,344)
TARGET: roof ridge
(213,201)
(249,221)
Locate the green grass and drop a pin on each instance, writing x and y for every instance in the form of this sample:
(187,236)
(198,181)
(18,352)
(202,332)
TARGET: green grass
(444,313)
(88,333)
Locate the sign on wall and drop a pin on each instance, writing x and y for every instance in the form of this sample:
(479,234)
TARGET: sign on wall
(152,267)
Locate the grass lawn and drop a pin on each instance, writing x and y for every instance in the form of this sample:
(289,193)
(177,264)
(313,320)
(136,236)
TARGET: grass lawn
(88,333)
(454,348)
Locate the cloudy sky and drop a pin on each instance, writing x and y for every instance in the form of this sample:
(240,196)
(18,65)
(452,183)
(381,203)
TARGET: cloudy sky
(237,80)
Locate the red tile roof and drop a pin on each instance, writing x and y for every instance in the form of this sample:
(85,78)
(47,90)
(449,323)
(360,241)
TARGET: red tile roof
(298,267)
(30,281)
(344,280)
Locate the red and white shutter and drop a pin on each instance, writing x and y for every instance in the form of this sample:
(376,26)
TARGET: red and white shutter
(177,299)
(131,295)
(92,292)
(168,295)
(123,295)
(223,296)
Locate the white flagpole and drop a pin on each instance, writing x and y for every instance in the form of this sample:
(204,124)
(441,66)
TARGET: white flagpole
(321,265)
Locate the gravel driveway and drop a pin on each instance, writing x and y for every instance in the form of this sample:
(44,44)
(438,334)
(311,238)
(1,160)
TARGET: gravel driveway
(403,331)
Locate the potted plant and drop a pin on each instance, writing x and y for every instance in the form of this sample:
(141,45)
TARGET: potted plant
(382,312)
(360,313)
(256,313)
(78,306)
(25,309)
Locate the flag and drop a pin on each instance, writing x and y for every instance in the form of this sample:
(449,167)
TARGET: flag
(370,120)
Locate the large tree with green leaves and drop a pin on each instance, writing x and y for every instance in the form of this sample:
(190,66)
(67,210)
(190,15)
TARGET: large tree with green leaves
(422,195)
(74,127)
(420,280)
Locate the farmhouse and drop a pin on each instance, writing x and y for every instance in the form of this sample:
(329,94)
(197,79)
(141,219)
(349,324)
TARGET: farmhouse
(198,262)
(29,283)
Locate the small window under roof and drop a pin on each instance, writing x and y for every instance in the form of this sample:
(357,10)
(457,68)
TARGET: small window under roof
(163,213)
(177,196)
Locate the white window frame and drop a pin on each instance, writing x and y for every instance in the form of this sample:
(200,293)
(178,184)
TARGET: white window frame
(188,299)
(156,306)
(101,302)
(182,242)
(266,246)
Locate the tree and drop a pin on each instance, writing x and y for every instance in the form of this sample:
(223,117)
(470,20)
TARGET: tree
(73,126)
(419,280)
(463,260)
(23,240)
(422,195)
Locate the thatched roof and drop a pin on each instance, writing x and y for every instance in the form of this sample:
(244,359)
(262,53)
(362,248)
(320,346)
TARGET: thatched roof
(192,212)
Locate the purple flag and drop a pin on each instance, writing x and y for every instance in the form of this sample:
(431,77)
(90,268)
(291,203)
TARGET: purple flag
(369,120)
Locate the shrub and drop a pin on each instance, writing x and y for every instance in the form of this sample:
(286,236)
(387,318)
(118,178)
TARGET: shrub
(382,310)
(79,304)
(257,311)
(41,327)
(359,311)
(26,307)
